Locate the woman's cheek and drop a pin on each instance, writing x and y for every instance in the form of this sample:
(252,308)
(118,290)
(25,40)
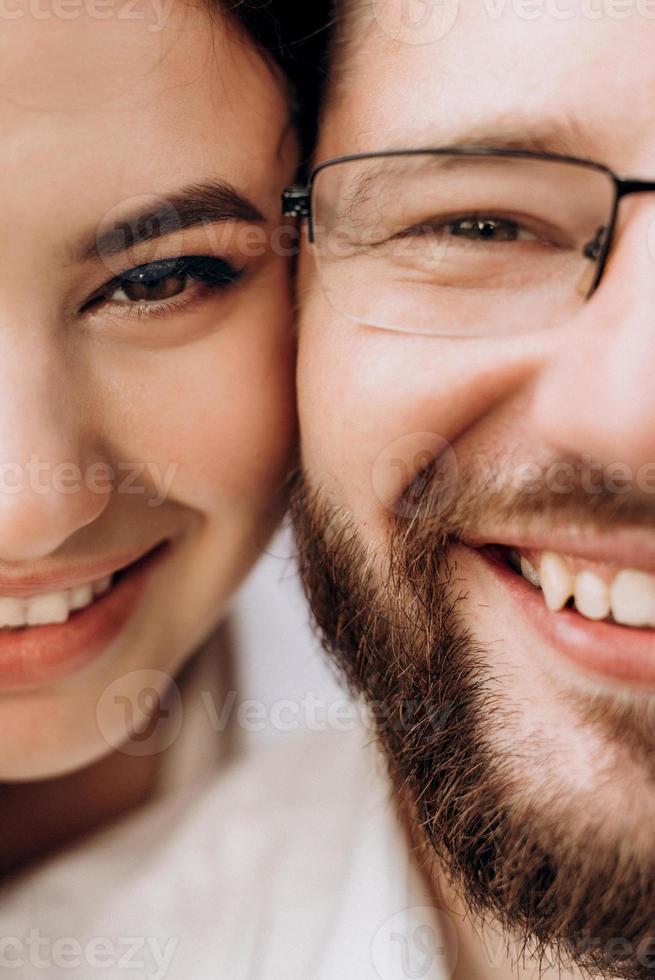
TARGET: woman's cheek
(212,423)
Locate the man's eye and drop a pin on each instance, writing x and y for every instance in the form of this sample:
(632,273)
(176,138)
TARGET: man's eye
(478,228)
(488,230)
(166,279)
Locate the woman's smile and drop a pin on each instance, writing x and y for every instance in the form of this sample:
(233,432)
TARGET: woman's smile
(46,635)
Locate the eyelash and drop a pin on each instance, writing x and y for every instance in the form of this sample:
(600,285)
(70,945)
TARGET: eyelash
(216,275)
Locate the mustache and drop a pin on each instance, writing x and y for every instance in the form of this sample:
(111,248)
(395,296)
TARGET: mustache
(449,503)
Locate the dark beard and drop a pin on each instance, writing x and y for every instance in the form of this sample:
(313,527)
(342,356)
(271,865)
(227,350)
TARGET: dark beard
(564,895)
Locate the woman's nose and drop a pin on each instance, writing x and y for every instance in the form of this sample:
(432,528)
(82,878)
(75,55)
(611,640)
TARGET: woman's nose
(49,486)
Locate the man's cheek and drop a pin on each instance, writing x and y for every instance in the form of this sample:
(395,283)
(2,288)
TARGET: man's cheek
(367,437)
(338,425)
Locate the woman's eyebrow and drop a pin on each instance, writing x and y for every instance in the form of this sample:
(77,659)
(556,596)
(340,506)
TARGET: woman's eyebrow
(197,204)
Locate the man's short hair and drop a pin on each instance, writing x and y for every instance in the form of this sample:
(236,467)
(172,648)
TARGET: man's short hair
(351,19)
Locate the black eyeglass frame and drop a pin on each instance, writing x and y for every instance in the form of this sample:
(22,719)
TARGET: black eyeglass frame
(297,200)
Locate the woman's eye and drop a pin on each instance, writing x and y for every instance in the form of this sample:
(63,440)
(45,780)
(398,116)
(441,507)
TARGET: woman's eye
(146,287)
(167,279)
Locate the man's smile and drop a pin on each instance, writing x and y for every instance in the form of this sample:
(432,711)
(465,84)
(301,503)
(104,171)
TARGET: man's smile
(599,616)
(626,595)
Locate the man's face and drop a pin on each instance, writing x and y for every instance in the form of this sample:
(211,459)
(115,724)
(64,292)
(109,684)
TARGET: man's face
(433,464)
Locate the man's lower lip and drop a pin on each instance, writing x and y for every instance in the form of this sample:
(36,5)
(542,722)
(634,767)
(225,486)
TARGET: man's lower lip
(618,652)
(43,654)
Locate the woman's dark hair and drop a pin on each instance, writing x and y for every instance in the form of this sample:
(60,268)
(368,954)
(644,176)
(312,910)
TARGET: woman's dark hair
(295,35)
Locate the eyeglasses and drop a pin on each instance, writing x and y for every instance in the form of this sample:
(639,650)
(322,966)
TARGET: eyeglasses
(460,242)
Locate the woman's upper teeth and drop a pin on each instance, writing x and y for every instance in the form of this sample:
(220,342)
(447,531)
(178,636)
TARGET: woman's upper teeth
(627,595)
(50,607)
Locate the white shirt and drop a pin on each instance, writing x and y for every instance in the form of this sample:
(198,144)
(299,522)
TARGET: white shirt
(290,866)
(286,864)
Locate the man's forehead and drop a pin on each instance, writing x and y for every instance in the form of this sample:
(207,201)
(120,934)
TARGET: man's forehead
(561,81)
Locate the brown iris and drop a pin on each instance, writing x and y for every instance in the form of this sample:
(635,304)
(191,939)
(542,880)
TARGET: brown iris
(155,289)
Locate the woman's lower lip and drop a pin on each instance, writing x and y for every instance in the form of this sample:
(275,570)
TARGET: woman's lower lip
(40,655)
(620,653)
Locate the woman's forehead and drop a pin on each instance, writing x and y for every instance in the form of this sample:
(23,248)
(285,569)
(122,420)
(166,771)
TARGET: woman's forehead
(122,109)
(45,57)
(119,60)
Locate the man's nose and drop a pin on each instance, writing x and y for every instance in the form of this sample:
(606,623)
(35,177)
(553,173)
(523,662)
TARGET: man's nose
(596,395)
(46,450)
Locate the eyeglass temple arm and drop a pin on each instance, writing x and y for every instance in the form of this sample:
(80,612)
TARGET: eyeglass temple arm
(627,186)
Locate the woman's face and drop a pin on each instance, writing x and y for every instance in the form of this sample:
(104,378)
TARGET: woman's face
(142,413)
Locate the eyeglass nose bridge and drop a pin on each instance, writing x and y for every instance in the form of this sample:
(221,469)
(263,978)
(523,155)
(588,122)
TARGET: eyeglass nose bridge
(600,248)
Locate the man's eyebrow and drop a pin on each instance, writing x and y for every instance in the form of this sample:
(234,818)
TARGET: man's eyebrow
(561,136)
(208,202)
(564,137)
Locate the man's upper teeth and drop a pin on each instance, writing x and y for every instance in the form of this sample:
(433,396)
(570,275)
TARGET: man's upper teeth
(50,607)
(633,598)
(531,573)
(556,581)
(592,595)
(627,595)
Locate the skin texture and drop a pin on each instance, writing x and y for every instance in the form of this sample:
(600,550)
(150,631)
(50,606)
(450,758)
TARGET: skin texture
(204,394)
(396,615)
